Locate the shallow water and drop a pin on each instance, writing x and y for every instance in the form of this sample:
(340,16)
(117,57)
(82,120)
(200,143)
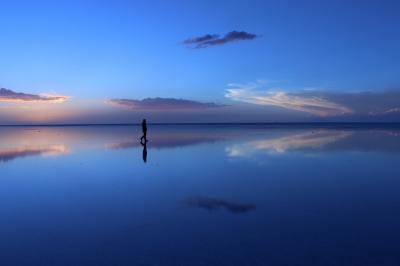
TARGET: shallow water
(206,195)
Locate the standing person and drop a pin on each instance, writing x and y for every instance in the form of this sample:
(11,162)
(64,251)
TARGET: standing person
(144,129)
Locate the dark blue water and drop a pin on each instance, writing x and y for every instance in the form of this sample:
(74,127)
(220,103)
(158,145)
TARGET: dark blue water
(206,195)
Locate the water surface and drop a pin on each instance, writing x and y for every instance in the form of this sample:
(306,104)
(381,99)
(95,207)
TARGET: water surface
(200,195)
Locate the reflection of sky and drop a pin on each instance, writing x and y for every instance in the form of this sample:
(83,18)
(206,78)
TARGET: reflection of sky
(293,204)
(237,141)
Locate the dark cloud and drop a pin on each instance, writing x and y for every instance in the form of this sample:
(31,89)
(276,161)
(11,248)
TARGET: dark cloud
(205,38)
(11,96)
(214,204)
(164,104)
(214,39)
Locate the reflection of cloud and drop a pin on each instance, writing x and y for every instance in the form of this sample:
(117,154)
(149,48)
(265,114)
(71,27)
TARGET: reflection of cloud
(241,140)
(393,133)
(163,104)
(309,104)
(214,39)
(9,154)
(168,140)
(164,143)
(123,145)
(11,96)
(300,141)
(214,204)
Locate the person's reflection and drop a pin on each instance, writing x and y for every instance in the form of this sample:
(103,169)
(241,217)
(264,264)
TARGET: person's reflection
(144,152)
(144,129)
(143,140)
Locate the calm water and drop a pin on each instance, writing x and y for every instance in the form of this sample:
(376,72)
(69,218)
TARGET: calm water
(207,195)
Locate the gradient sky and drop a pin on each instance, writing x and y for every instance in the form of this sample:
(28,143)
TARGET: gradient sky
(309,61)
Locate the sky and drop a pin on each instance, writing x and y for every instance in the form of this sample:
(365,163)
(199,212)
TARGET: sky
(199,61)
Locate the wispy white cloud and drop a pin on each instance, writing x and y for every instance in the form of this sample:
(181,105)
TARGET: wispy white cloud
(375,105)
(304,103)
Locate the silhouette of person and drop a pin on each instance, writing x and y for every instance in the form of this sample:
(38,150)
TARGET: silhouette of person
(144,129)
(144,152)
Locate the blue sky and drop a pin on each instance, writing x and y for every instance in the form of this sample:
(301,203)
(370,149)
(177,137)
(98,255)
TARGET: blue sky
(94,51)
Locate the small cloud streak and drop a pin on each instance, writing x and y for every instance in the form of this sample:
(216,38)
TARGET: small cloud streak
(215,39)
(11,96)
(309,104)
(163,104)
(394,110)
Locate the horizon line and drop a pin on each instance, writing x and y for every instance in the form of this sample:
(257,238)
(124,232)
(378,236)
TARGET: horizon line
(210,123)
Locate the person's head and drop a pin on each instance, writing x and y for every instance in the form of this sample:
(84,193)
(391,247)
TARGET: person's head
(144,120)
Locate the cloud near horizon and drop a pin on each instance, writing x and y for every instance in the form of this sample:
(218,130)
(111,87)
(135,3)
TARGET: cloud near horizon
(11,96)
(346,106)
(305,103)
(164,104)
(215,39)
